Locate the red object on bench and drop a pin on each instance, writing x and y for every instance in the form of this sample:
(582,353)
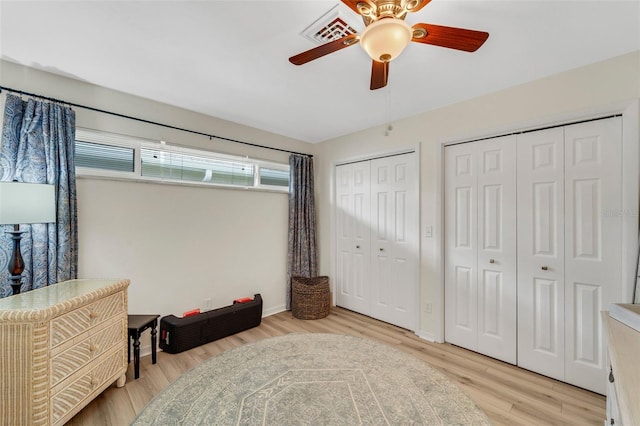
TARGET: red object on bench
(191,313)
(243,300)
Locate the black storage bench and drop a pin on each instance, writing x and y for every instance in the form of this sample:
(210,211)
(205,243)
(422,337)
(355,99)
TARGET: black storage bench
(181,334)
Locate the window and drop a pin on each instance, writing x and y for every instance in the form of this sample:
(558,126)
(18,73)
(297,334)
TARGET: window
(108,155)
(274,177)
(104,157)
(190,165)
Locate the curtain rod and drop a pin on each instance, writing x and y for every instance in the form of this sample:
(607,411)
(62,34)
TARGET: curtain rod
(155,123)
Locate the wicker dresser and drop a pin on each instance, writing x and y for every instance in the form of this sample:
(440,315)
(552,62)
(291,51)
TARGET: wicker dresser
(60,347)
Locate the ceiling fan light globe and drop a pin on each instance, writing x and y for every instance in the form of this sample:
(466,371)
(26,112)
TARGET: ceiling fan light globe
(386,38)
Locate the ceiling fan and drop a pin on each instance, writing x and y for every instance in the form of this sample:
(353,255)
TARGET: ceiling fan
(386,34)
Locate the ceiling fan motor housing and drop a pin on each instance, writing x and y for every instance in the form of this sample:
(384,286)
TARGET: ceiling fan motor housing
(373,10)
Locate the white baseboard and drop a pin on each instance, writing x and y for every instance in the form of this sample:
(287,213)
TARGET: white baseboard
(273,311)
(426,335)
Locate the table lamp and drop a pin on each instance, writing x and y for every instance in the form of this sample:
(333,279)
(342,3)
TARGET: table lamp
(24,203)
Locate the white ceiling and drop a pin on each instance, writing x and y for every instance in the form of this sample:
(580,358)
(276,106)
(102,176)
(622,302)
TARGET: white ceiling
(228,59)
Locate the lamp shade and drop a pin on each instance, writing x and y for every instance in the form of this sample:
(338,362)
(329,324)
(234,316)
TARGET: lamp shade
(27,203)
(386,38)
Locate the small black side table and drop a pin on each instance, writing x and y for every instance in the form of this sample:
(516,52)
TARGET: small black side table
(137,324)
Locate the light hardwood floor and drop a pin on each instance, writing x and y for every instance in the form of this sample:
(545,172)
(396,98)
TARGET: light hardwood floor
(509,395)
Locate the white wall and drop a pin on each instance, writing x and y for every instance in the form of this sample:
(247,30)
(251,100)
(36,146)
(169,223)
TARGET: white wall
(120,223)
(578,93)
(182,244)
(178,244)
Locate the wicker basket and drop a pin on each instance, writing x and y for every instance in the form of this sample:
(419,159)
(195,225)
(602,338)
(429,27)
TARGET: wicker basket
(310,297)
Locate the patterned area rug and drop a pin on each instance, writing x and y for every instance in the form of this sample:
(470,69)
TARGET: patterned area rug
(312,379)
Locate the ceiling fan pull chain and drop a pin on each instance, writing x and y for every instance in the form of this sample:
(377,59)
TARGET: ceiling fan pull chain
(387,107)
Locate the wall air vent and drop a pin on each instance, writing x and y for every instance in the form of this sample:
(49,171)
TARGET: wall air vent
(338,22)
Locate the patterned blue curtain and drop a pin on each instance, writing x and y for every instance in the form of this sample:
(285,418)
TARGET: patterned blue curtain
(38,140)
(302,259)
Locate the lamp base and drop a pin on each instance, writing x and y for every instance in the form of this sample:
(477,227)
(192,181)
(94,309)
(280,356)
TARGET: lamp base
(16,264)
(16,283)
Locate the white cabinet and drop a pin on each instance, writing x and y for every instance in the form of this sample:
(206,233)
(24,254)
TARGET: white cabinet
(568,265)
(480,247)
(377,241)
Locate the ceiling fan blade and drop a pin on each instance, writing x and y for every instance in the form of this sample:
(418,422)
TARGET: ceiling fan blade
(325,49)
(453,38)
(352,4)
(420,5)
(379,74)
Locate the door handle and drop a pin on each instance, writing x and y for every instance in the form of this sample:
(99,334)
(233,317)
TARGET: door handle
(492,261)
(545,268)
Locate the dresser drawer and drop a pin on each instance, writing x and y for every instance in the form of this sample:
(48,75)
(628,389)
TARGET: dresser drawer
(80,354)
(73,323)
(98,373)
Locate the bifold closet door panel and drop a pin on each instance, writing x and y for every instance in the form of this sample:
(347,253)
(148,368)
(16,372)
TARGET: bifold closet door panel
(593,208)
(394,240)
(541,292)
(497,285)
(480,247)
(461,254)
(569,248)
(353,193)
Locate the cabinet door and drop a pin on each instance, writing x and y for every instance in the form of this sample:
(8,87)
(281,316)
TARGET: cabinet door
(593,217)
(461,254)
(394,240)
(496,191)
(353,242)
(541,252)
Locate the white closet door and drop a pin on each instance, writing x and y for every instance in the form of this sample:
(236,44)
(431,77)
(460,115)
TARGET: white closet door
(394,244)
(496,190)
(461,255)
(480,247)
(541,252)
(353,244)
(593,201)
